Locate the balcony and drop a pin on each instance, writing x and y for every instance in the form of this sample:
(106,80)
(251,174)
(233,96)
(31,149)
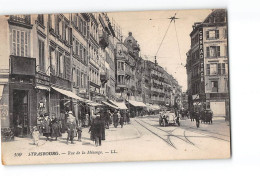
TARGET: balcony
(104,77)
(21,20)
(103,39)
(121,84)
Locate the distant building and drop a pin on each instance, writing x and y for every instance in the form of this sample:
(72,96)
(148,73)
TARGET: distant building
(207,64)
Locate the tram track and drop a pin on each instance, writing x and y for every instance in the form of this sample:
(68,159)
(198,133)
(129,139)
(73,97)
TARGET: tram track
(167,140)
(203,132)
(186,140)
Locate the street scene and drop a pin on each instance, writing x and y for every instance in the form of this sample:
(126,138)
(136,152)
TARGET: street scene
(121,86)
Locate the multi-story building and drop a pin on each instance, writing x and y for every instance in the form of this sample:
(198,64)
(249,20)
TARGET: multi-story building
(107,48)
(207,64)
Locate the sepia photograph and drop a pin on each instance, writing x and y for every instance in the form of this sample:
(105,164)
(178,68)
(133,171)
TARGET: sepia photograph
(114,87)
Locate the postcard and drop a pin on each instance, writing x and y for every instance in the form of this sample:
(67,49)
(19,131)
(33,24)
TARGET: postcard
(114,87)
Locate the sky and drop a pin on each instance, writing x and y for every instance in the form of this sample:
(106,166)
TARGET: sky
(150,33)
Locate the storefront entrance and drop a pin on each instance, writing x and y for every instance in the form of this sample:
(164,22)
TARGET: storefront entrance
(20,113)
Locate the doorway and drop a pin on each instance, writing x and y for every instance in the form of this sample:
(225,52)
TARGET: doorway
(20,113)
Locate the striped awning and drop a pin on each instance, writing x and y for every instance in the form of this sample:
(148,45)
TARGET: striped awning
(110,105)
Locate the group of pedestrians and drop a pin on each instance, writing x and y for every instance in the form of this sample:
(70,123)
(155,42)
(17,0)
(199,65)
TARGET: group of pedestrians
(120,117)
(51,127)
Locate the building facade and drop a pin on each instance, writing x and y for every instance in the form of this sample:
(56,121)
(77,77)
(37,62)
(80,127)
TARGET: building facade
(207,64)
(55,63)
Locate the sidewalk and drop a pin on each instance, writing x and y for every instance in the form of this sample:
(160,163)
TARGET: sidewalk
(112,134)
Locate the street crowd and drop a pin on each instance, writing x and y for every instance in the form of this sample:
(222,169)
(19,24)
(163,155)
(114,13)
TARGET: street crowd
(51,127)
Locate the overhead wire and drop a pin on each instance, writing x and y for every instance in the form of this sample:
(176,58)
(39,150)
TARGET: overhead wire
(163,39)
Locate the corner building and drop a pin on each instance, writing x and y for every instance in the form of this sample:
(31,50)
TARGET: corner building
(207,65)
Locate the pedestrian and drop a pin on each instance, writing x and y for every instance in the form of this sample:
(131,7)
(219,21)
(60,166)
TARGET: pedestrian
(124,116)
(46,128)
(55,128)
(127,116)
(121,119)
(71,127)
(96,130)
(115,119)
(79,131)
(36,135)
(107,119)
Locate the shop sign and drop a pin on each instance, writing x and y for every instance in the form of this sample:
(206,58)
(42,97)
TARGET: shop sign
(23,65)
(201,53)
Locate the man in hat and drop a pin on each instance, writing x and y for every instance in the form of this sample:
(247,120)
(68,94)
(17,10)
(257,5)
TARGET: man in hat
(71,127)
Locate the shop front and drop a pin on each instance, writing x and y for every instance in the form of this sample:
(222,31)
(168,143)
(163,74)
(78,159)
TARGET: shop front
(22,101)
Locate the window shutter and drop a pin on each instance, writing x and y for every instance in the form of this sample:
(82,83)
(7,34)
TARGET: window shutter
(14,42)
(218,51)
(18,43)
(208,55)
(207,34)
(217,34)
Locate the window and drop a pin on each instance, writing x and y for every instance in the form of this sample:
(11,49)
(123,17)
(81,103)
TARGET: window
(61,65)
(52,21)
(77,47)
(212,34)
(213,69)
(82,80)
(66,33)
(78,77)
(20,41)
(75,20)
(213,51)
(41,55)
(208,69)
(74,77)
(59,27)
(84,28)
(214,86)
(53,60)
(41,19)
(81,52)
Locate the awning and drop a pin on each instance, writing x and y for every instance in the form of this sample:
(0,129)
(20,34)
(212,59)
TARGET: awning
(110,105)
(42,87)
(120,105)
(67,93)
(152,107)
(137,103)
(92,103)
